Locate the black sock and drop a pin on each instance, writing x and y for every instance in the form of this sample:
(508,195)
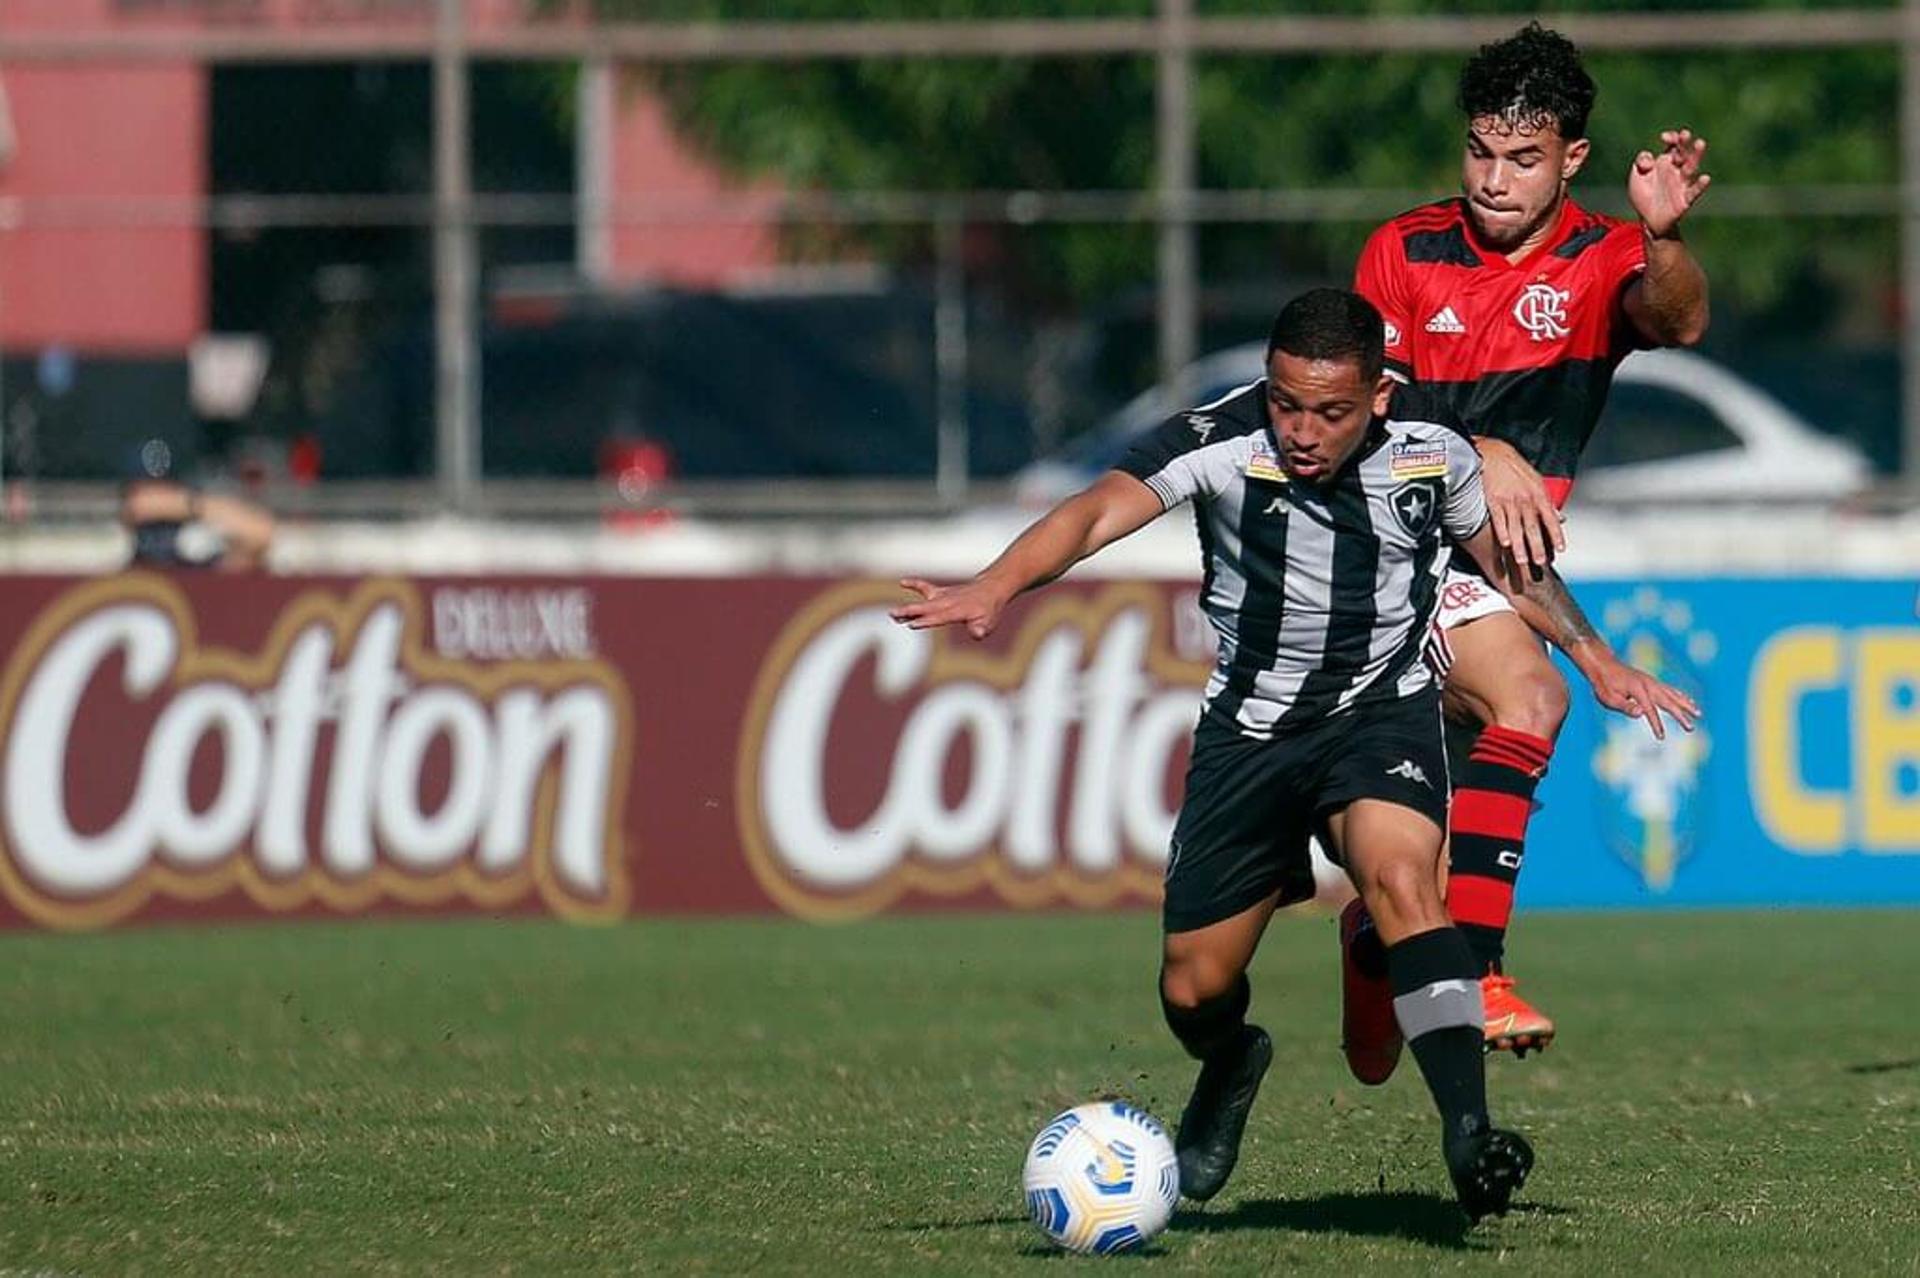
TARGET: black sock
(1214,1024)
(1436,999)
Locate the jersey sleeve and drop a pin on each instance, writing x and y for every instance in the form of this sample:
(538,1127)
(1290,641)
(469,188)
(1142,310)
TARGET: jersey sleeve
(1622,259)
(1380,276)
(1175,459)
(1466,506)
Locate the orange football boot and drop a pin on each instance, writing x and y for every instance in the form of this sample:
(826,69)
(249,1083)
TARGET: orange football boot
(1368,1031)
(1513,1024)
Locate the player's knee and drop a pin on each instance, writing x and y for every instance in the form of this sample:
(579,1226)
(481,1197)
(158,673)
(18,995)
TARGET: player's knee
(1535,700)
(1190,981)
(1406,888)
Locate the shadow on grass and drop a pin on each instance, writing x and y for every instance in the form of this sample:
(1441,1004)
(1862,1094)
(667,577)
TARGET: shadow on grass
(1422,1218)
(1885,1067)
(969,1222)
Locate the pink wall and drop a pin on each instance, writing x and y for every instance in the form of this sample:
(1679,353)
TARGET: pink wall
(650,162)
(88,136)
(91,137)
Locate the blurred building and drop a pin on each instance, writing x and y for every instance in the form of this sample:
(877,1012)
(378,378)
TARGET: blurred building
(110,269)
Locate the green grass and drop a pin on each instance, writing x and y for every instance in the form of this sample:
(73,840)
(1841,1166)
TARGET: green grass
(1731,1091)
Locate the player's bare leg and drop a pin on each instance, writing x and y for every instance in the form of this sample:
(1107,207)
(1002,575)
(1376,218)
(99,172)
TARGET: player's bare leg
(1391,853)
(1369,1034)
(1502,683)
(1204,993)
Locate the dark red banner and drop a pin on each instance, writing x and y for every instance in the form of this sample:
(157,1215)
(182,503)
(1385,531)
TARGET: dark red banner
(213,746)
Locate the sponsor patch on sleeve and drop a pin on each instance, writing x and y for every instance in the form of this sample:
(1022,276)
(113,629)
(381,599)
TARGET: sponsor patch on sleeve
(1413,459)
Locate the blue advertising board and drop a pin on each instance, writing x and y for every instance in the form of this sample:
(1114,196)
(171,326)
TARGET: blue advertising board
(1802,786)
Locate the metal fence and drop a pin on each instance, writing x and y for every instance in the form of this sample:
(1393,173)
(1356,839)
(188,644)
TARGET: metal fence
(455,216)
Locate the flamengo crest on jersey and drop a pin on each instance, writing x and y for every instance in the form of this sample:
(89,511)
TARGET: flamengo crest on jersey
(1320,592)
(1542,311)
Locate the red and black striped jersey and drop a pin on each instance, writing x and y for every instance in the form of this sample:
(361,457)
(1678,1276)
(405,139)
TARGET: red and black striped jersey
(1519,351)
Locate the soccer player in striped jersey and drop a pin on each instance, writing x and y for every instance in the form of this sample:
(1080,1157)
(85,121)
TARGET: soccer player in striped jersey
(1507,309)
(1324,526)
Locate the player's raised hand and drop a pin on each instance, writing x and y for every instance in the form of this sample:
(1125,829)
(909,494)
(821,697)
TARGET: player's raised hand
(1663,187)
(975,605)
(1619,686)
(1525,521)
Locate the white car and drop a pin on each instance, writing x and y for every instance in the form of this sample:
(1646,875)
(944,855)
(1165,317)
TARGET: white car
(1677,427)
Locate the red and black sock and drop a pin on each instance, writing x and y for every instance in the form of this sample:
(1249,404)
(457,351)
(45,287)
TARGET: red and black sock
(1492,799)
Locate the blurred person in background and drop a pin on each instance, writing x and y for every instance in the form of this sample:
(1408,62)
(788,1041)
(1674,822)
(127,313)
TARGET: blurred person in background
(1507,309)
(173,525)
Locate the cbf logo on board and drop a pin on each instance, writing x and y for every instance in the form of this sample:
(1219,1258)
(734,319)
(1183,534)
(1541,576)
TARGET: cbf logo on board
(1652,806)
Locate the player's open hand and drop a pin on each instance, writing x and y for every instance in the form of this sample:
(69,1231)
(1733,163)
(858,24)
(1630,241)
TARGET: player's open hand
(975,605)
(1525,521)
(1664,186)
(1637,694)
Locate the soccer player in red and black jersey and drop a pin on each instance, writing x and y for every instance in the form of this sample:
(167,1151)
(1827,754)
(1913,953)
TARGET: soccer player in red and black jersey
(1507,310)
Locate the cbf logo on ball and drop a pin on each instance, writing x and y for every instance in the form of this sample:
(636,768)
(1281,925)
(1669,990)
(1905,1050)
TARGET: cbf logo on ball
(1652,806)
(343,762)
(879,762)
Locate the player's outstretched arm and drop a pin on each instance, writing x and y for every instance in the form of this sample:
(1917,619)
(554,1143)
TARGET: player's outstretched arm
(1668,303)
(1544,603)
(1115,505)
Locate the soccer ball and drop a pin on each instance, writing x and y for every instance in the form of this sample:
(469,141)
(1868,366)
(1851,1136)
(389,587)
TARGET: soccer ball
(1101,1178)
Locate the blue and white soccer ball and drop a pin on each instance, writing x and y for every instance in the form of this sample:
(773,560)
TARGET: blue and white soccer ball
(1101,1178)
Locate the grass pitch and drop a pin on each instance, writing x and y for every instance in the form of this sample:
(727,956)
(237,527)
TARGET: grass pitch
(1731,1091)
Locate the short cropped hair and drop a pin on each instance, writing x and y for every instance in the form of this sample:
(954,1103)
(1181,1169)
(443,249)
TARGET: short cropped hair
(1332,324)
(1529,79)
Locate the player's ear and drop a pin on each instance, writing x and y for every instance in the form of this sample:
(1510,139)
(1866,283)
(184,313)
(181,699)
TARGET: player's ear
(1382,395)
(1575,159)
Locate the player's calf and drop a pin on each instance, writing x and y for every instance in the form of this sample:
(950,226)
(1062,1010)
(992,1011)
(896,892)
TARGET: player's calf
(1233,1057)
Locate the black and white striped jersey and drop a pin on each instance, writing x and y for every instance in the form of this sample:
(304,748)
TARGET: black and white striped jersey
(1321,592)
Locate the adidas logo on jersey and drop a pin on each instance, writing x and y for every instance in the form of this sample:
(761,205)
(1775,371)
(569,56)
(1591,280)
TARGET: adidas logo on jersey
(1445,321)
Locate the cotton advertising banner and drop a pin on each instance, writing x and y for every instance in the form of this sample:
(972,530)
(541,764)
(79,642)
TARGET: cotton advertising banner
(224,747)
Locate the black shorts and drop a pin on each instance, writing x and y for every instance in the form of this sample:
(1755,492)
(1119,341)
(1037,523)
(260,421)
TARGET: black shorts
(1252,805)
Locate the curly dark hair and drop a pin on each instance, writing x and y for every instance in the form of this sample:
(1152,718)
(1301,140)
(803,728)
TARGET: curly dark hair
(1331,324)
(1528,79)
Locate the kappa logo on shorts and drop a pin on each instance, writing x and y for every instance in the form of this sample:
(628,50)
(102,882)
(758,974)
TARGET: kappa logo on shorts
(1411,771)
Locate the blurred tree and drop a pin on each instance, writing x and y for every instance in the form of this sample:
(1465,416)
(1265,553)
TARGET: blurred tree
(1774,119)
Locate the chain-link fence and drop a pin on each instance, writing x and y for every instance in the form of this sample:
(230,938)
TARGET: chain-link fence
(404,257)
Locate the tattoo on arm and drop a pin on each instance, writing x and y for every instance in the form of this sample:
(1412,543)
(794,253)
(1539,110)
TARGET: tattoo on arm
(1558,607)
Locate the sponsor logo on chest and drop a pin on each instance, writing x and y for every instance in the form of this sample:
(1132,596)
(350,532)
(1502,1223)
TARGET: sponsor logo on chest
(1264,465)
